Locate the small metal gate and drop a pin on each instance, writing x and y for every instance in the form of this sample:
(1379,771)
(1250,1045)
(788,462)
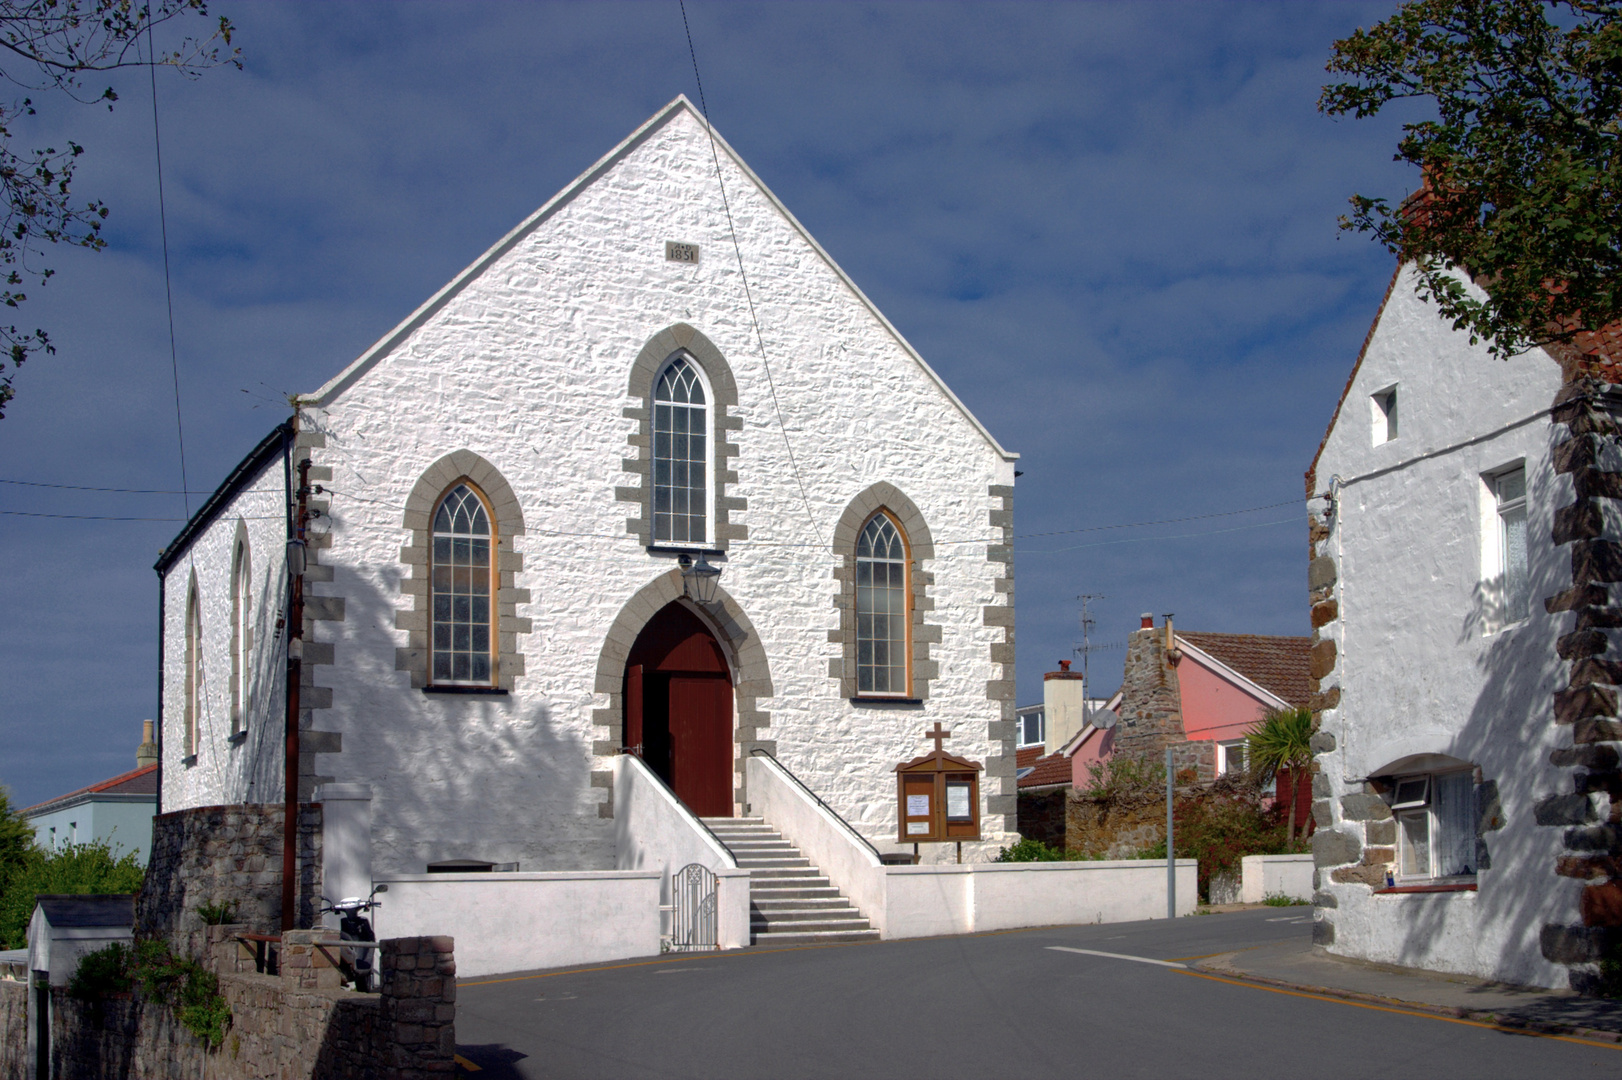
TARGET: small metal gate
(692,909)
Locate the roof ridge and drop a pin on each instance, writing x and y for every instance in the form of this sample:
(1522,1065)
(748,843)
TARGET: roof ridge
(140,770)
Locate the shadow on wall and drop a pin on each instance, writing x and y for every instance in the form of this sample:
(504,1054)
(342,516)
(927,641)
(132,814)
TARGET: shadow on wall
(1505,735)
(490,777)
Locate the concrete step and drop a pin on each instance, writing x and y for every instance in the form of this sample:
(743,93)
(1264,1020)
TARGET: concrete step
(790,903)
(796,892)
(779,916)
(759,845)
(785,873)
(810,927)
(812,937)
(769,862)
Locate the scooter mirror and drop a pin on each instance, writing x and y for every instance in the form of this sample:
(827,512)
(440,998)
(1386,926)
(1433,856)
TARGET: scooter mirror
(381,888)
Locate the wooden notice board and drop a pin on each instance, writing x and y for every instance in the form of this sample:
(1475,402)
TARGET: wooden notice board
(938,796)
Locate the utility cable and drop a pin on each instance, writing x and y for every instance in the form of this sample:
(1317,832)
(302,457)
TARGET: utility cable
(168,284)
(111,490)
(747,292)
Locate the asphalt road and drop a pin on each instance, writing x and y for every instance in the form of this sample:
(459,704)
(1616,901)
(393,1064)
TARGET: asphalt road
(992,1005)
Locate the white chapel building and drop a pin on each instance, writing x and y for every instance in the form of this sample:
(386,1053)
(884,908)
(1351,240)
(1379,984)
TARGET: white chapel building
(505,493)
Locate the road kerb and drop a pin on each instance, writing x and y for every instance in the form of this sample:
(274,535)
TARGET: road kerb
(1214,966)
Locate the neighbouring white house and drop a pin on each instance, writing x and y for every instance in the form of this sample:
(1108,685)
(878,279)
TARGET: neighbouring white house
(1464,540)
(518,500)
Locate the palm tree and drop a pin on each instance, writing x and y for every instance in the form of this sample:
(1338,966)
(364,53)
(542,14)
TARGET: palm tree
(1281,742)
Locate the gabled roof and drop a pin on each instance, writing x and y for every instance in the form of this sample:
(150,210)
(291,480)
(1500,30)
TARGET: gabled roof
(88,910)
(1279,665)
(335,386)
(142,781)
(1049,771)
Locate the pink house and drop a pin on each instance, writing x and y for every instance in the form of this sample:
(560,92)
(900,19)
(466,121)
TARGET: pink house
(1198,692)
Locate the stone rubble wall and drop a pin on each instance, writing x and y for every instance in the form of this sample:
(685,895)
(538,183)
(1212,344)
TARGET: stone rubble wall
(294,1025)
(224,854)
(13,1030)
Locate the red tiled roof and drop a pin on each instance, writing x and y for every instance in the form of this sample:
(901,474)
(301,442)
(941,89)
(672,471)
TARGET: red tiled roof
(142,781)
(1053,769)
(1027,755)
(1279,664)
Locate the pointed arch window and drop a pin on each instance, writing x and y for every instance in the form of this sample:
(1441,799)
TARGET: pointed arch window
(193,677)
(241,636)
(681,458)
(883,610)
(463,575)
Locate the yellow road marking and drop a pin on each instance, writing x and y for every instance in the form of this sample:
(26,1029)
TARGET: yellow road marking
(466,1064)
(1506,1029)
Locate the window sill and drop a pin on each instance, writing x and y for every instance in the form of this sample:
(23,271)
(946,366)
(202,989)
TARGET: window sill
(1445,887)
(239,738)
(189,760)
(474,690)
(880,700)
(678,549)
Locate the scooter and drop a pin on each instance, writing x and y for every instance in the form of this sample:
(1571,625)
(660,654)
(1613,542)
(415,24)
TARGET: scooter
(358,962)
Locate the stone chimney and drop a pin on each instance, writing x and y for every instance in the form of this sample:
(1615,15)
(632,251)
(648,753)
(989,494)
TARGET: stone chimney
(1151,699)
(1064,706)
(147,753)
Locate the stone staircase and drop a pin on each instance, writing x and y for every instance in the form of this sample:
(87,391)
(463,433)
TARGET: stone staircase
(790,901)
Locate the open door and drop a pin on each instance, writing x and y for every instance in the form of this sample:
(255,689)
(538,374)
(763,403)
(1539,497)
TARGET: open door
(678,709)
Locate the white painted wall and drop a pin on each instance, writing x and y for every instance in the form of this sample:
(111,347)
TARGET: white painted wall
(527,365)
(526,921)
(1262,876)
(249,771)
(123,821)
(1423,666)
(932,900)
(654,831)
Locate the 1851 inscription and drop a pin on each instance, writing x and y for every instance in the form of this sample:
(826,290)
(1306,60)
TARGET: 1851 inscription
(682,253)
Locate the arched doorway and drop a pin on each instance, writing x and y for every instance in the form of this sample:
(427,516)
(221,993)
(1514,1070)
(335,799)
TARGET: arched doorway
(678,709)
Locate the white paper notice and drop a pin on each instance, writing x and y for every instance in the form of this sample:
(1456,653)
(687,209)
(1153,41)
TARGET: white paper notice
(917,828)
(957,801)
(918,806)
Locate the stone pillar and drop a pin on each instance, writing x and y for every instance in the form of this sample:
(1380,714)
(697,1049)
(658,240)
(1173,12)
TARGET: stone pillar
(309,960)
(1151,698)
(1587,812)
(346,847)
(417,1012)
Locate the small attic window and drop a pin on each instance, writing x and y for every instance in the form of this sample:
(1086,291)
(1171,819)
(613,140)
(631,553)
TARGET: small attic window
(1385,415)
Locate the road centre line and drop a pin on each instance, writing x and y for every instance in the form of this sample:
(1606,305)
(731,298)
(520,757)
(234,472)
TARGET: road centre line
(1118,956)
(1502,1028)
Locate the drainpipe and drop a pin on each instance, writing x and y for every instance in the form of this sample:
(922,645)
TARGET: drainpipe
(158,806)
(295,672)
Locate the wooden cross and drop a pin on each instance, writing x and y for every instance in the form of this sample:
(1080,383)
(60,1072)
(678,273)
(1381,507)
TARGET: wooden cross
(937,735)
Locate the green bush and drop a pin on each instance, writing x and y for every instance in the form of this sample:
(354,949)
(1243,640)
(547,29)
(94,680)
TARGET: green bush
(1280,900)
(216,914)
(1030,851)
(161,976)
(91,867)
(1219,828)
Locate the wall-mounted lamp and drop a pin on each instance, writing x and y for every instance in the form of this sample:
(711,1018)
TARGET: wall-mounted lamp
(295,558)
(700,579)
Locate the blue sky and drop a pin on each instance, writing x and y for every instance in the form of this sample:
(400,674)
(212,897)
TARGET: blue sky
(1111,229)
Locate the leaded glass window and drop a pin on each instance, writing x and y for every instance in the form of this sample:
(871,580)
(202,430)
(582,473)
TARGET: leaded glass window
(680,457)
(881,609)
(461,587)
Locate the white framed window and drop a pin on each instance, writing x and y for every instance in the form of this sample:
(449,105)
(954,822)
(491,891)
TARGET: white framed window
(1230,757)
(241,635)
(1436,826)
(1384,413)
(681,455)
(883,609)
(193,675)
(1032,727)
(1510,490)
(462,578)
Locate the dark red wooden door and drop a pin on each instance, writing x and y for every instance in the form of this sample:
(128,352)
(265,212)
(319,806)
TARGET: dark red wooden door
(633,709)
(701,743)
